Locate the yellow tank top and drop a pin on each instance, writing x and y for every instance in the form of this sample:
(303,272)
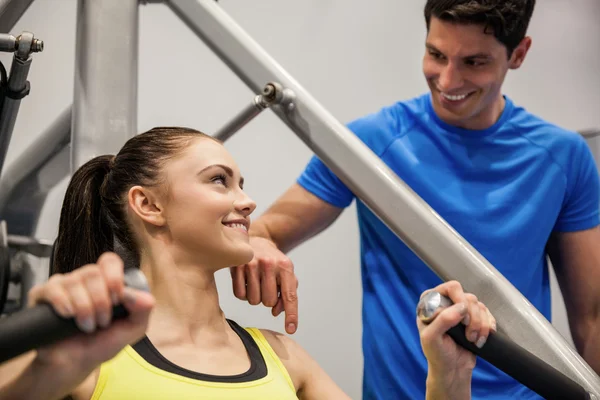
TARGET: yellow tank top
(140,372)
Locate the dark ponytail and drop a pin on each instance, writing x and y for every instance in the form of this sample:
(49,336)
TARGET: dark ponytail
(93,218)
(84,232)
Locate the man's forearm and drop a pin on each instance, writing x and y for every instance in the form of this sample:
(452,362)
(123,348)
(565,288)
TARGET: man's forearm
(588,342)
(259,228)
(294,218)
(277,229)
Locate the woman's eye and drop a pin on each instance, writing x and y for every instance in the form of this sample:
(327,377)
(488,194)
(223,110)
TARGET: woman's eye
(220,179)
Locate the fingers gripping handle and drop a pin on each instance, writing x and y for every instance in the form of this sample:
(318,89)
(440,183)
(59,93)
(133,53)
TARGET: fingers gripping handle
(41,326)
(507,356)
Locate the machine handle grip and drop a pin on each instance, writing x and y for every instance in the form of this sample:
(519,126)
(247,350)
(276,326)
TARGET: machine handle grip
(40,325)
(507,356)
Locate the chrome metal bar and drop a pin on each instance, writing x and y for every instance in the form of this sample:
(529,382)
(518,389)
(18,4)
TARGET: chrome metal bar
(240,120)
(7,42)
(272,93)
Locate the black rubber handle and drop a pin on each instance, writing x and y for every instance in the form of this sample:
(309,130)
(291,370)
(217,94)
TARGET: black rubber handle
(519,363)
(41,326)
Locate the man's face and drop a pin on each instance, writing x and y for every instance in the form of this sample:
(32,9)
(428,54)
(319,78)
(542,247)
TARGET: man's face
(465,69)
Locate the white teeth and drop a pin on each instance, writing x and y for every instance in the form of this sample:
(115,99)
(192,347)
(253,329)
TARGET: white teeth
(454,98)
(242,226)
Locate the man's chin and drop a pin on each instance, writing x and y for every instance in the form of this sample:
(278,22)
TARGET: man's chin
(454,114)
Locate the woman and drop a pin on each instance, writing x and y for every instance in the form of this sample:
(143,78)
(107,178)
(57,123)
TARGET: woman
(172,202)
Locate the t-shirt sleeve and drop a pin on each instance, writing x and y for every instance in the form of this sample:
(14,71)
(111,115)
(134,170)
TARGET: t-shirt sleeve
(581,206)
(376,130)
(318,179)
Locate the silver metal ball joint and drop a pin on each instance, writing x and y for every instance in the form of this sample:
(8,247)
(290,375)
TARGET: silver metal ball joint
(430,305)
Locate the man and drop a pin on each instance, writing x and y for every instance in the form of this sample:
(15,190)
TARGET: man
(515,186)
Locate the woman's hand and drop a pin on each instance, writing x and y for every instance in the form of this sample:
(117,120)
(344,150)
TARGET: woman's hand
(450,365)
(88,294)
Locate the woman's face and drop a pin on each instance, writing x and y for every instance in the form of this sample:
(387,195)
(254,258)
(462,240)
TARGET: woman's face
(207,212)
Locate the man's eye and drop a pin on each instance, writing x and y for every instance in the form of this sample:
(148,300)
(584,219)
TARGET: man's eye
(475,63)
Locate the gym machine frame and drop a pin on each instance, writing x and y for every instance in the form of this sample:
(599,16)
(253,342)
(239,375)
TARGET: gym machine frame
(104,115)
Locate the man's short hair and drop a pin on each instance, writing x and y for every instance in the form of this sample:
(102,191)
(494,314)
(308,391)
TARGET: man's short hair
(507,20)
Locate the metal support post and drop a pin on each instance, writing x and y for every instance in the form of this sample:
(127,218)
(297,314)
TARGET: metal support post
(105,98)
(406,214)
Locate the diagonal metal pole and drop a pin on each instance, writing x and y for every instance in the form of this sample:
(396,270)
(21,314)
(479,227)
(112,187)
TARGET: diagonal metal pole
(10,13)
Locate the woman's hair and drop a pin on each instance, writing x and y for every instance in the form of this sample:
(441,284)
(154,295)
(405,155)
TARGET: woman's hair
(93,217)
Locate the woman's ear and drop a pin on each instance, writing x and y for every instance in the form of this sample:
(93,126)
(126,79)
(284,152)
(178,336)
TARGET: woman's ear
(147,205)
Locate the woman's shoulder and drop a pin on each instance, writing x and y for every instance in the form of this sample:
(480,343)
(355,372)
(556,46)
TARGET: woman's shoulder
(302,368)
(281,344)
(287,350)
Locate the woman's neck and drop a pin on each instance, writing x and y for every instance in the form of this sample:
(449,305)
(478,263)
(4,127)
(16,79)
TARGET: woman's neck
(187,302)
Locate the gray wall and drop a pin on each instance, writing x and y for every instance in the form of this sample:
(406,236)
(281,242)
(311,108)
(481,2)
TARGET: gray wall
(354,57)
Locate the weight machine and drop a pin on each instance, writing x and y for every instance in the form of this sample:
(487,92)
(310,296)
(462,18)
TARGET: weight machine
(103,116)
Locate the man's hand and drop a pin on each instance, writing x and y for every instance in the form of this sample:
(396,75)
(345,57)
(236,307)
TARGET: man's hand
(269,279)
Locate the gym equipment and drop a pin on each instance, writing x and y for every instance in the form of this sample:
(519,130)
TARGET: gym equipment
(15,267)
(107,30)
(507,356)
(41,326)
(15,86)
(11,11)
(590,133)
(271,94)
(4,265)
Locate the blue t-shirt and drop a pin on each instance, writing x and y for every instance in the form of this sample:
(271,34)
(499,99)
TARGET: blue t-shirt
(505,189)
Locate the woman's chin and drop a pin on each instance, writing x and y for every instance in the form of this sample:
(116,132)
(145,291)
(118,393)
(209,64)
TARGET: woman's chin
(242,255)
